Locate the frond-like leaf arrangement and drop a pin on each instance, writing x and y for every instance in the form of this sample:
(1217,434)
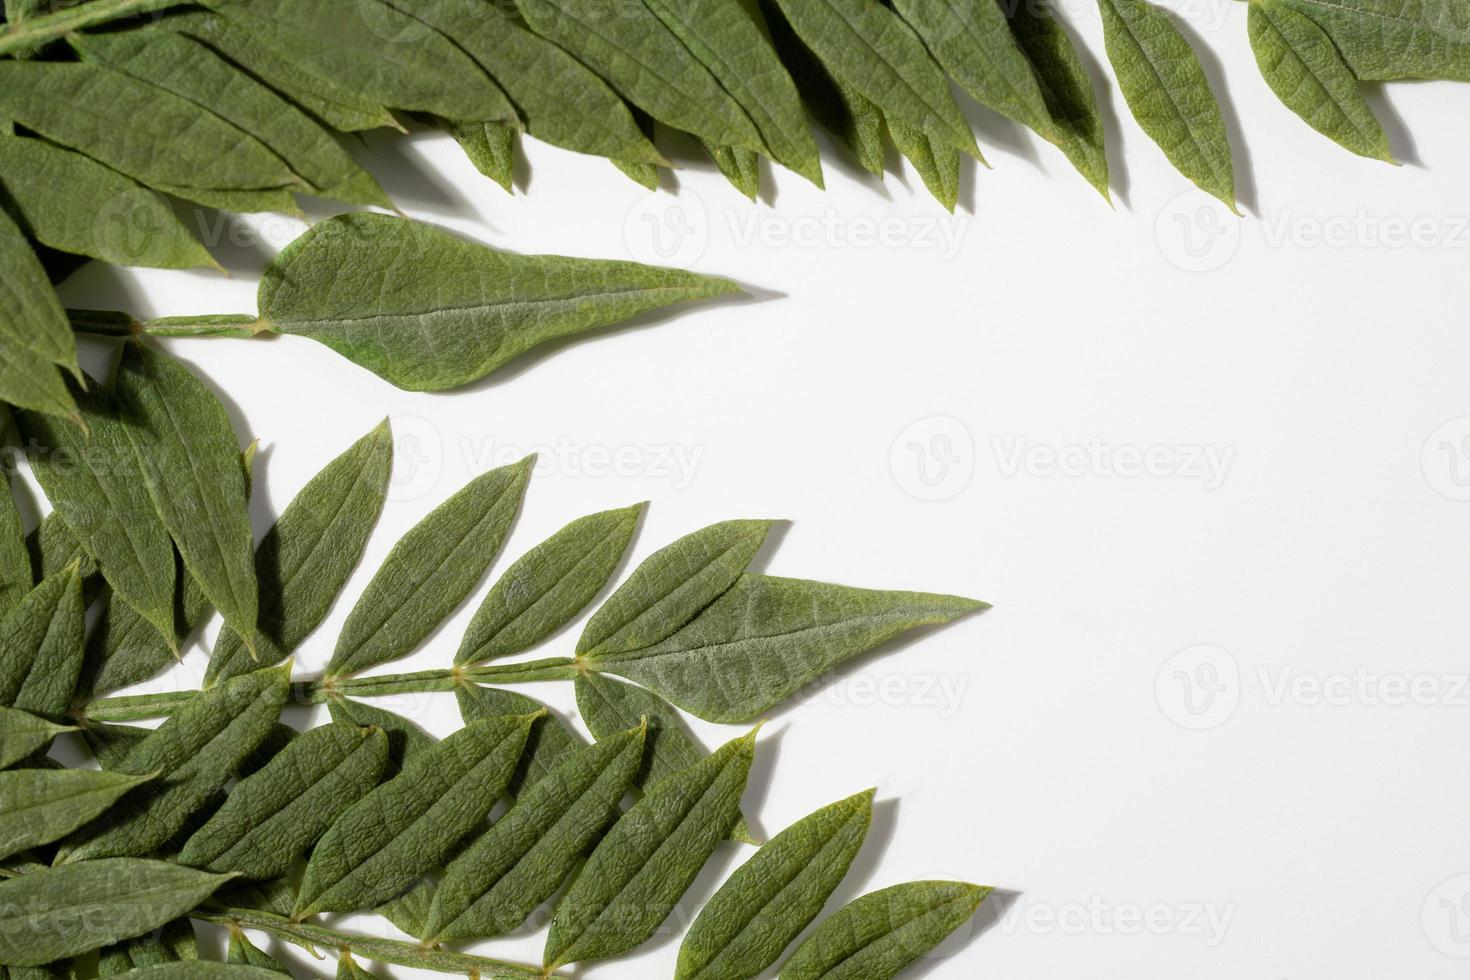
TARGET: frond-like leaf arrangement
(225,815)
(238,104)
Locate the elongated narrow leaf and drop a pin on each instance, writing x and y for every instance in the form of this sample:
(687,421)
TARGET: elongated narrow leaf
(59,912)
(348,969)
(41,647)
(1168,93)
(649,858)
(173,943)
(938,164)
(427,311)
(110,744)
(1067,87)
(878,935)
(204,970)
(624,49)
(195,753)
(868,47)
(29,346)
(96,484)
(179,64)
(522,860)
(430,570)
(405,739)
(550,740)
(490,147)
(740,167)
(169,143)
(1304,69)
(549,585)
(15,558)
(23,734)
(242,952)
(774,896)
(276,814)
(38,806)
(53,546)
(103,215)
(1388,39)
(304,560)
(191,464)
(608,706)
(767,637)
(407,826)
(381,52)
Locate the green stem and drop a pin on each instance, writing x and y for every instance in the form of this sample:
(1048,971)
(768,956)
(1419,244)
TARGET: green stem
(112,324)
(550,669)
(136,707)
(310,937)
(30,33)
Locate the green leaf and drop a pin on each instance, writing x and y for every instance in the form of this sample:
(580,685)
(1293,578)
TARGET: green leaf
(23,734)
(1308,74)
(384,54)
(520,862)
(15,558)
(549,743)
(204,970)
(1168,93)
(643,174)
(740,167)
(406,827)
(53,546)
(242,952)
(330,101)
(170,944)
(169,143)
(303,561)
(95,481)
(878,935)
(775,895)
(41,647)
(58,912)
(29,347)
(609,706)
(648,64)
(767,637)
(672,585)
(191,465)
(275,815)
(405,739)
(1388,39)
(649,858)
(430,570)
(195,752)
(189,69)
(110,744)
(491,147)
(38,806)
(548,585)
(728,40)
(869,48)
(427,311)
(1067,88)
(938,165)
(347,969)
(103,215)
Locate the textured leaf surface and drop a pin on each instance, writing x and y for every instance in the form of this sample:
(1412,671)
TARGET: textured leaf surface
(407,826)
(431,569)
(1305,70)
(15,557)
(520,862)
(103,214)
(306,557)
(276,814)
(242,952)
(549,741)
(766,904)
(937,164)
(38,806)
(41,647)
(427,311)
(1168,93)
(195,753)
(491,148)
(191,463)
(170,944)
(29,346)
(405,739)
(1388,39)
(204,970)
(766,637)
(59,912)
(22,734)
(549,585)
(740,167)
(649,858)
(881,933)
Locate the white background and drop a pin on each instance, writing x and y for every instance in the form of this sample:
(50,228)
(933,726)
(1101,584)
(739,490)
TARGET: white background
(1178,742)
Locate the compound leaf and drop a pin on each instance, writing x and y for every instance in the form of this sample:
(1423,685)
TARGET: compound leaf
(38,806)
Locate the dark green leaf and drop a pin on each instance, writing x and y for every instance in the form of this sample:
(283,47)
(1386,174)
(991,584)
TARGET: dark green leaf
(548,744)
(110,744)
(41,647)
(405,739)
(649,858)
(938,164)
(242,952)
(53,546)
(170,944)
(61,912)
(878,935)
(23,734)
(491,147)
(29,349)
(204,970)
(767,637)
(1388,39)
(347,969)
(38,806)
(430,570)
(548,585)
(427,311)
(740,167)
(774,896)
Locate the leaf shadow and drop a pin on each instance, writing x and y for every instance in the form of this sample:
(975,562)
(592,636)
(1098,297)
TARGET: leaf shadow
(100,286)
(1405,151)
(835,153)
(762,778)
(780,527)
(1240,155)
(394,161)
(1120,181)
(995,131)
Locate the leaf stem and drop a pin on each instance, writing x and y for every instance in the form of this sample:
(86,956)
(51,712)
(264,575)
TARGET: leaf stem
(112,324)
(30,33)
(396,952)
(134,707)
